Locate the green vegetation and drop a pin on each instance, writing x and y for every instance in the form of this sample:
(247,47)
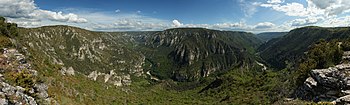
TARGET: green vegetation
(5,41)
(244,87)
(266,36)
(180,58)
(7,31)
(10,67)
(238,87)
(189,54)
(22,78)
(321,55)
(288,49)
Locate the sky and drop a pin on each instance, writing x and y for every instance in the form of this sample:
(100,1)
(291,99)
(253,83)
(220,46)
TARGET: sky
(154,15)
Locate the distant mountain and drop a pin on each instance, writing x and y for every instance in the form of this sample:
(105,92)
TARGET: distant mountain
(192,53)
(289,48)
(266,36)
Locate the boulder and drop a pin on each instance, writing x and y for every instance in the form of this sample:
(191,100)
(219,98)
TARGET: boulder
(70,71)
(310,83)
(41,90)
(93,75)
(345,100)
(328,77)
(3,101)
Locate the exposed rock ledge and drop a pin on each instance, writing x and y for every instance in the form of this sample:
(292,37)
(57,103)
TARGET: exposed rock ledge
(12,94)
(331,84)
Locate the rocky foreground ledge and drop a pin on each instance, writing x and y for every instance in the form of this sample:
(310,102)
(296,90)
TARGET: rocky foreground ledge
(17,81)
(331,84)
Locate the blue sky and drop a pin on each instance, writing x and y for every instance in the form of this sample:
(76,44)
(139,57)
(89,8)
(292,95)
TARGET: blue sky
(137,15)
(189,11)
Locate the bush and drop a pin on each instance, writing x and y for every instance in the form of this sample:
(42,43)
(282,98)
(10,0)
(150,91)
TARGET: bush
(8,29)
(321,55)
(5,42)
(25,80)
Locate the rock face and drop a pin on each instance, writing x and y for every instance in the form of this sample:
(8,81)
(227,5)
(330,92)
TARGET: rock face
(331,84)
(197,52)
(14,95)
(82,51)
(179,54)
(14,62)
(111,77)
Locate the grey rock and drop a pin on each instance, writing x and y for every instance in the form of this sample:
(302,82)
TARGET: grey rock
(310,82)
(3,101)
(7,88)
(41,90)
(343,100)
(93,75)
(328,84)
(328,77)
(70,71)
(17,95)
(343,66)
(346,92)
(20,89)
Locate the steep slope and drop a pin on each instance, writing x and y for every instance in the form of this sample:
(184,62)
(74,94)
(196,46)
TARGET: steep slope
(187,54)
(122,64)
(180,54)
(289,48)
(266,36)
(20,83)
(109,56)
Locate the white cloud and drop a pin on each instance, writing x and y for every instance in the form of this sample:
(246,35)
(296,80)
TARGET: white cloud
(58,16)
(314,7)
(226,25)
(176,23)
(264,25)
(306,21)
(128,25)
(323,4)
(117,11)
(25,22)
(17,8)
(27,9)
(123,22)
(316,12)
(249,7)
(275,1)
(332,7)
(295,9)
(336,22)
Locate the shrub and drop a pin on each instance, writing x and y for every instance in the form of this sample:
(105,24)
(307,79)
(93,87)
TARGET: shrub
(321,55)
(25,79)
(5,42)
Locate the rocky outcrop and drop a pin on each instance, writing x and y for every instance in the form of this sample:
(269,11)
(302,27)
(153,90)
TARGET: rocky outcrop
(111,77)
(14,64)
(331,84)
(14,95)
(198,52)
(69,71)
(80,51)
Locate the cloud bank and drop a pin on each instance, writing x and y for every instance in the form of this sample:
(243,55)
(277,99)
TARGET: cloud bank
(315,12)
(27,9)
(176,23)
